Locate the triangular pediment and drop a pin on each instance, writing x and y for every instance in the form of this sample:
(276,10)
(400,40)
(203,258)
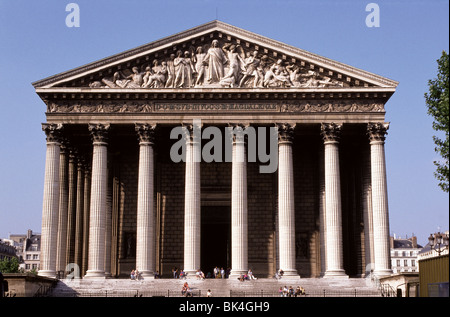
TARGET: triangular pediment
(215,55)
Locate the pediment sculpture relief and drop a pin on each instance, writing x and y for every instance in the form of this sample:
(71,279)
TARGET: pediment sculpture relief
(217,65)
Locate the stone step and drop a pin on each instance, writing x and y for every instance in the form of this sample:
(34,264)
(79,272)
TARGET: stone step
(219,287)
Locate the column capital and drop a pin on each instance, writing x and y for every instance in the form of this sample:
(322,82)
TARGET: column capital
(146,133)
(53,132)
(237,131)
(285,132)
(331,132)
(99,132)
(377,131)
(192,131)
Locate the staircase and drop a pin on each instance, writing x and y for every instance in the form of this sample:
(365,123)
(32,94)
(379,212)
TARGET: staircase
(314,287)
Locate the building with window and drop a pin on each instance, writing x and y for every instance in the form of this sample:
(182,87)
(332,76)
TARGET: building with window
(28,249)
(7,250)
(404,253)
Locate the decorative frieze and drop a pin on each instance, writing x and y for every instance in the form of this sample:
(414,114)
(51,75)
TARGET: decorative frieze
(195,107)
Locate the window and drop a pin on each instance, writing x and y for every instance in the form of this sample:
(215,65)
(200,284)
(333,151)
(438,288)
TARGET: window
(398,262)
(405,262)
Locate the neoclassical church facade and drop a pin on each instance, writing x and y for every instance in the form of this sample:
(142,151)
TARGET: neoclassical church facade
(215,147)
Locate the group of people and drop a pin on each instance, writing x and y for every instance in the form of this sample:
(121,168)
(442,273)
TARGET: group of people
(135,275)
(246,277)
(200,275)
(186,290)
(290,292)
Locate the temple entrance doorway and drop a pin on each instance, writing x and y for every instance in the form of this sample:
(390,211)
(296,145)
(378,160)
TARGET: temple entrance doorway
(215,238)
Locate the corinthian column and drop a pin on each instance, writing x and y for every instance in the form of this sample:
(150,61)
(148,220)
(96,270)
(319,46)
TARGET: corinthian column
(145,247)
(78,251)
(286,206)
(62,218)
(99,187)
(239,210)
(50,206)
(377,132)
(333,209)
(192,211)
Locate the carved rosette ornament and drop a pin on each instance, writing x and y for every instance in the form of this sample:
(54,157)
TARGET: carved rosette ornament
(99,133)
(146,133)
(53,132)
(377,131)
(285,132)
(331,132)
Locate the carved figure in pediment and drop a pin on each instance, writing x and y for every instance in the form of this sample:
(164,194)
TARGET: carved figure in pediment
(180,70)
(189,69)
(200,67)
(309,79)
(170,72)
(156,76)
(277,76)
(135,80)
(236,63)
(115,81)
(95,84)
(251,69)
(184,70)
(294,75)
(328,82)
(215,59)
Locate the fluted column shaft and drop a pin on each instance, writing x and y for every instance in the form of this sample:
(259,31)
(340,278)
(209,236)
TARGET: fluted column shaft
(286,206)
(99,186)
(145,247)
(239,206)
(50,206)
(87,196)
(71,207)
(192,207)
(333,207)
(79,215)
(62,218)
(377,132)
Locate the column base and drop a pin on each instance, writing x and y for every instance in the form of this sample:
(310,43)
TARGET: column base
(335,274)
(95,274)
(147,275)
(47,273)
(235,274)
(190,274)
(383,273)
(290,274)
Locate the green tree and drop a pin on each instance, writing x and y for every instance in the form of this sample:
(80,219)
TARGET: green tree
(9,266)
(437,103)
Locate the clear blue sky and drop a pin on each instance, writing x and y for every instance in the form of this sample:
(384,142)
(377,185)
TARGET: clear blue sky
(36,43)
